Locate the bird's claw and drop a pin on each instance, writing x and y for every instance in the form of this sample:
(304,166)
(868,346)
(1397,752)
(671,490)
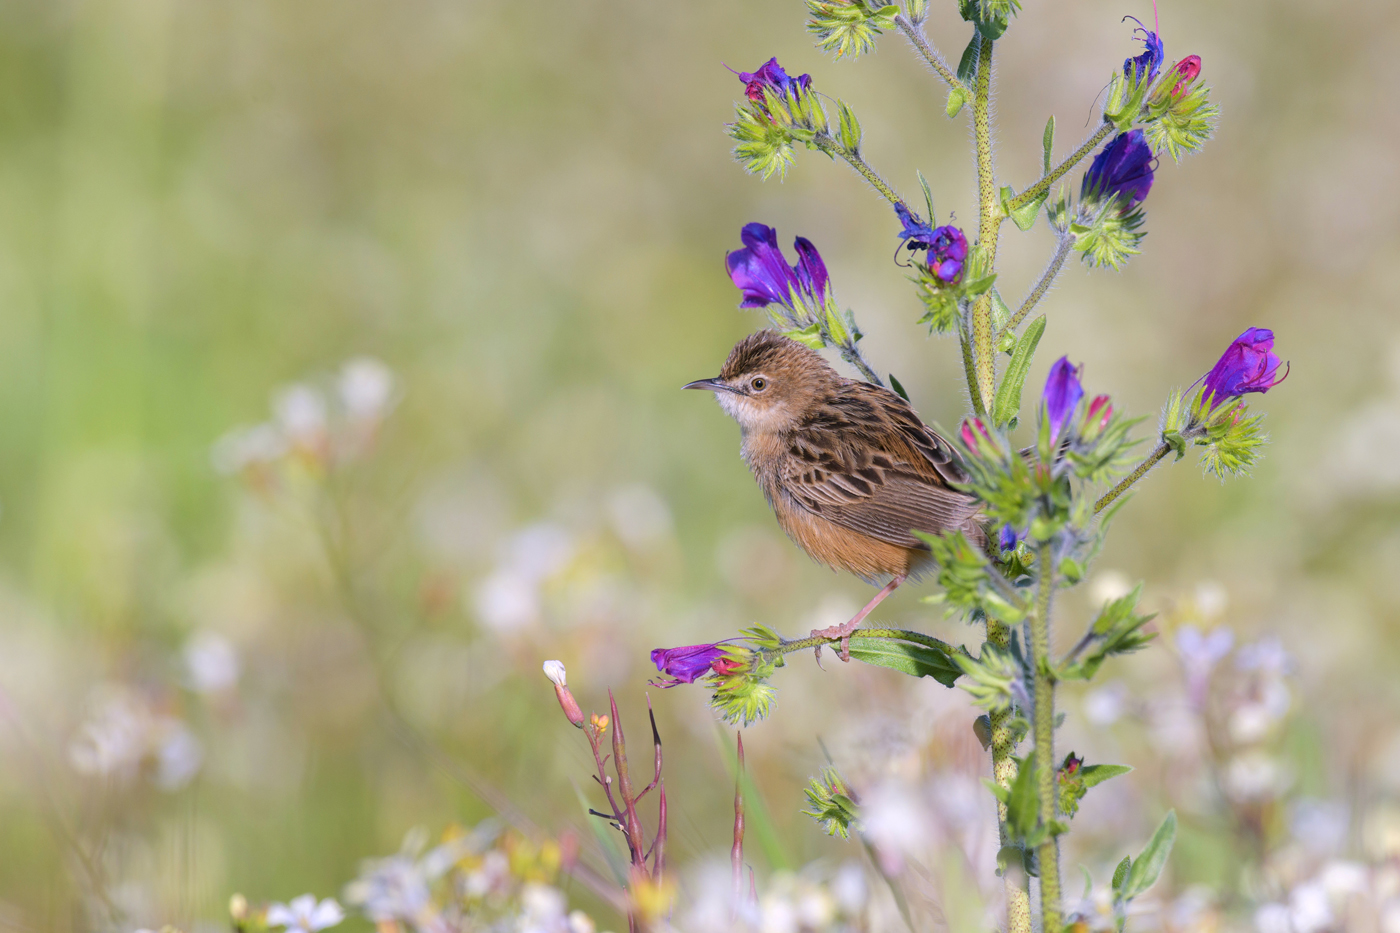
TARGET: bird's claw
(842,632)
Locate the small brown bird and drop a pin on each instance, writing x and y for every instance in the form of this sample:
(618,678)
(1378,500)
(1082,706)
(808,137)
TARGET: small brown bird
(847,466)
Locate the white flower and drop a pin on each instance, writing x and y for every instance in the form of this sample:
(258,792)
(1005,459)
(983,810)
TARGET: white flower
(212,663)
(639,516)
(1105,706)
(242,448)
(1266,656)
(304,915)
(301,413)
(506,602)
(1109,585)
(1309,909)
(178,755)
(1202,652)
(1320,825)
(1272,918)
(397,888)
(366,386)
(554,670)
(124,734)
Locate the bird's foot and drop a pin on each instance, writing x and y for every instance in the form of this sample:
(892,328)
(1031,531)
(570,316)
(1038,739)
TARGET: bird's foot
(842,632)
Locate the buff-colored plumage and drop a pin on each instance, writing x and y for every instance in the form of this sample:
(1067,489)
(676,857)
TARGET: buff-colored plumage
(847,466)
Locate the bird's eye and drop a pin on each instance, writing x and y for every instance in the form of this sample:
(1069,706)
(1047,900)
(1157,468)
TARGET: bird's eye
(758,384)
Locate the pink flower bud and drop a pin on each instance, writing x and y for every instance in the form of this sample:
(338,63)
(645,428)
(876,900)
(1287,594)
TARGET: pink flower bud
(554,670)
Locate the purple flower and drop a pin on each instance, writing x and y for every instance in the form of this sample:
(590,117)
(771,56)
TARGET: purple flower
(772,77)
(1248,365)
(1122,169)
(916,233)
(683,665)
(1149,63)
(1062,394)
(947,253)
(1008,538)
(761,272)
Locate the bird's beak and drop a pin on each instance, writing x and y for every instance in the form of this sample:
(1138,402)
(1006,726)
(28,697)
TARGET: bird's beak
(714,385)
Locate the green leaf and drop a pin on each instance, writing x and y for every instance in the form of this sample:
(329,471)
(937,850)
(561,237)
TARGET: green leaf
(974,288)
(1152,859)
(906,657)
(1007,404)
(928,198)
(810,336)
(968,63)
(1024,216)
(1022,808)
(1006,194)
(1048,143)
(898,389)
(1097,774)
(956,98)
(1120,874)
(849,127)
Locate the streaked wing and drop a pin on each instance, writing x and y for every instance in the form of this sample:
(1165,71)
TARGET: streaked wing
(870,465)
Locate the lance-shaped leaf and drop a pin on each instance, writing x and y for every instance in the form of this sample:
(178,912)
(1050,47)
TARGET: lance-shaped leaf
(916,660)
(1147,867)
(1007,404)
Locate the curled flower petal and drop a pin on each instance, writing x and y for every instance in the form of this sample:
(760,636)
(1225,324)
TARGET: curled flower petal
(771,77)
(763,276)
(1247,365)
(1149,63)
(686,663)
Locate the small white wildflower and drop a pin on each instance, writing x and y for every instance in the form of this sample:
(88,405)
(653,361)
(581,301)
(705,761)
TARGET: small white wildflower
(301,414)
(580,922)
(1109,585)
(1309,909)
(1200,651)
(554,670)
(639,516)
(211,663)
(179,755)
(1212,599)
(506,602)
(366,385)
(1272,918)
(304,915)
(1254,776)
(849,888)
(1320,825)
(1267,655)
(242,448)
(1106,705)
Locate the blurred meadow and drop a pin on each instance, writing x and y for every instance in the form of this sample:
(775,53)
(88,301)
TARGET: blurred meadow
(341,348)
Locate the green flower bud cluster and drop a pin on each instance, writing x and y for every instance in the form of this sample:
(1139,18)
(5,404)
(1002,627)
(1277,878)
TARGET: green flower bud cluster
(848,27)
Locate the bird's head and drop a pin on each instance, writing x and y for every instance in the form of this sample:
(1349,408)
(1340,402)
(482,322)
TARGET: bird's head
(770,382)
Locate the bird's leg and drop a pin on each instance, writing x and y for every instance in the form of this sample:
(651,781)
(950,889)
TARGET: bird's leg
(844,631)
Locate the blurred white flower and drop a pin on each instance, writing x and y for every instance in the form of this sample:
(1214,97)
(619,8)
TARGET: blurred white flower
(542,910)
(366,387)
(1212,599)
(506,602)
(1199,654)
(247,447)
(896,823)
(1255,715)
(639,516)
(1272,918)
(300,411)
(849,888)
(1390,917)
(539,551)
(1319,825)
(580,922)
(397,888)
(1309,909)
(1105,705)
(124,734)
(491,875)
(1108,585)
(211,663)
(304,915)
(1254,776)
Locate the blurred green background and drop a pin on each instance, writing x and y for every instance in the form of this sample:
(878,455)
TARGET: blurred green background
(522,211)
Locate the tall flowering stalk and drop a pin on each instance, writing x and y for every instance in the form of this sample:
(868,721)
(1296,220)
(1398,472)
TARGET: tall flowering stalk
(1046,507)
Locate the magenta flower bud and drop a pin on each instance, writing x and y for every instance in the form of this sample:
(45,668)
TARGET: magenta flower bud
(1062,395)
(974,432)
(1184,71)
(683,665)
(1096,418)
(761,272)
(1248,365)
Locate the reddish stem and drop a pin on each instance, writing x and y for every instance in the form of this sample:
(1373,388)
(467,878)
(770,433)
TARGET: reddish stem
(736,854)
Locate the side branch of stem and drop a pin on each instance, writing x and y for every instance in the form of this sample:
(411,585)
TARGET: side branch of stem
(915,34)
(829,144)
(1042,287)
(1043,728)
(1058,172)
(1142,470)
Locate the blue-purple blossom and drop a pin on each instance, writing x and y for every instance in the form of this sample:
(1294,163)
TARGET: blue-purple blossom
(1062,394)
(683,665)
(1149,63)
(1122,169)
(947,254)
(772,77)
(1008,538)
(1248,365)
(916,234)
(761,272)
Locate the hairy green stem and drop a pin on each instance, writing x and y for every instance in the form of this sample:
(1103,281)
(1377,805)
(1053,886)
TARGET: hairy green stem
(970,370)
(1043,729)
(915,34)
(851,354)
(989,223)
(831,146)
(1058,172)
(1047,278)
(1142,470)
(882,634)
(1017,883)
